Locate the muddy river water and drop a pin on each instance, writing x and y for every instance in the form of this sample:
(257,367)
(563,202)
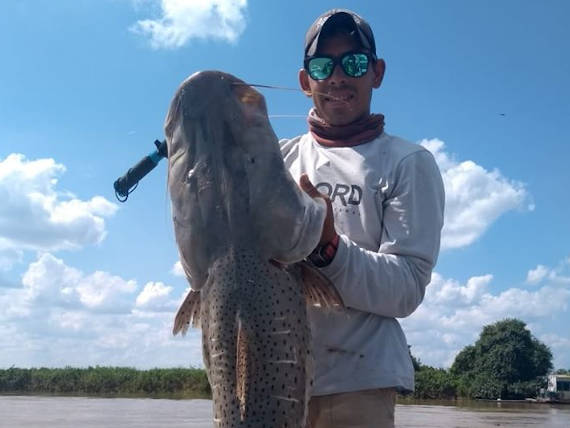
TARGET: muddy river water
(52,412)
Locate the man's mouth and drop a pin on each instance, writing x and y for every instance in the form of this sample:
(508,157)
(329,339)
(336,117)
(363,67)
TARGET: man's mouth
(340,98)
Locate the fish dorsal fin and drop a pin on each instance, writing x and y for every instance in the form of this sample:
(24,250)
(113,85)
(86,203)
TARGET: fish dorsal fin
(318,289)
(188,313)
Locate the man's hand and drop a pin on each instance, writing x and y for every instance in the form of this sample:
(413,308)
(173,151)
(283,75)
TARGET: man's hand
(329,231)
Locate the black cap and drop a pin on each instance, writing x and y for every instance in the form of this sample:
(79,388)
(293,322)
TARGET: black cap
(336,17)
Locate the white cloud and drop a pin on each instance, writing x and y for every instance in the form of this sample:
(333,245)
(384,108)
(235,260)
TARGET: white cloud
(454,313)
(513,302)
(557,275)
(182,20)
(475,197)
(70,320)
(155,296)
(451,291)
(177,269)
(35,216)
(58,308)
(534,276)
(49,280)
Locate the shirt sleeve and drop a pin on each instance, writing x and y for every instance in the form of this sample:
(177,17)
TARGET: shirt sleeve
(391,282)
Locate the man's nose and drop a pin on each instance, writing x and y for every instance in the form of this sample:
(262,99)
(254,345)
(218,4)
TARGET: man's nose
(338,76)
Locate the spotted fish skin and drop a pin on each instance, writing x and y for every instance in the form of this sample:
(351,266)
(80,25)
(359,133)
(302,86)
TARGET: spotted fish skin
(236,210)
(253,315)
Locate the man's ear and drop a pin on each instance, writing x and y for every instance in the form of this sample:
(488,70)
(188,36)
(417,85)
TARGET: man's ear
(304,82)
(379,70)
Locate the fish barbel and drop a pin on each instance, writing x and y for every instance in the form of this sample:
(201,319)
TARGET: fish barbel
(242,227)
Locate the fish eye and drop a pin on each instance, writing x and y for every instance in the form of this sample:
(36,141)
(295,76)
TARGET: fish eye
(248,96)
(248,158)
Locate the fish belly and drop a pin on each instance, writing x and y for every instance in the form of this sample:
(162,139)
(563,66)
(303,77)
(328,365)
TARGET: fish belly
(256,343)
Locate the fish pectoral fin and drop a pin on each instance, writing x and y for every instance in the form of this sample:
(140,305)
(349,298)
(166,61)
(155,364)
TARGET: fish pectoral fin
(318,289)
(242,369)
(188,313)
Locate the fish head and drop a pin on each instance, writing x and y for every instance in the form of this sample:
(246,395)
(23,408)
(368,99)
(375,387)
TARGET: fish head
(230,114)
(227,180)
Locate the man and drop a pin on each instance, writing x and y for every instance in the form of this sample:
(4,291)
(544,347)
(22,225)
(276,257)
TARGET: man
(381,237)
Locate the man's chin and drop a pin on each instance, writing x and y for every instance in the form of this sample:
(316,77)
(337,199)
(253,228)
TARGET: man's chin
(339,118)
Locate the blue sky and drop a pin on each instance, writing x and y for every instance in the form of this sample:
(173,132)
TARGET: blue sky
(84,89)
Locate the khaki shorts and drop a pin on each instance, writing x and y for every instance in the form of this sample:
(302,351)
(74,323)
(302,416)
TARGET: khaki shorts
(373,408)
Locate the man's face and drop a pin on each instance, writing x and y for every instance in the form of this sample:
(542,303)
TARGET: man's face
(340,99)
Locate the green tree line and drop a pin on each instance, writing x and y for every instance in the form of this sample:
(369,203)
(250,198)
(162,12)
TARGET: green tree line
(117,381)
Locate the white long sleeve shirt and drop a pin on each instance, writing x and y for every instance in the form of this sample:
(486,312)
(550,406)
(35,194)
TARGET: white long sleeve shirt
(388,203)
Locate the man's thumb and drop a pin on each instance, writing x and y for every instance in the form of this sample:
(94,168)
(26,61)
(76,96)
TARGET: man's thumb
(308,187)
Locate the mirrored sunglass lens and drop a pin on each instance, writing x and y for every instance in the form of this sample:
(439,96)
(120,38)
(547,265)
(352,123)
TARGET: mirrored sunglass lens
(320,68)
(355,65)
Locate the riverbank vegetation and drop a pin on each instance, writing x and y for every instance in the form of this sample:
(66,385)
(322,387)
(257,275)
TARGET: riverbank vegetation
(506,362)
(108,381)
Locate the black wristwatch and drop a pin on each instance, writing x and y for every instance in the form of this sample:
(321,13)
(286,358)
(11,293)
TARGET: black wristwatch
(324,254)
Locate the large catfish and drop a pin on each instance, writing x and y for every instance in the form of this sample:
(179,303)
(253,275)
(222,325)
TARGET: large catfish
(241,223)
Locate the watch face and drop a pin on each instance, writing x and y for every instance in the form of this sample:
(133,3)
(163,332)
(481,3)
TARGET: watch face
(323,255)
(319,256)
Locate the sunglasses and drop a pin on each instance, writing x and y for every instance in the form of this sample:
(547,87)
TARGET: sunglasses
(354,64)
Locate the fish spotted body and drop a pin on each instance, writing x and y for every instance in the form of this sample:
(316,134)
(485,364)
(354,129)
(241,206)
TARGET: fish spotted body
(240,225)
